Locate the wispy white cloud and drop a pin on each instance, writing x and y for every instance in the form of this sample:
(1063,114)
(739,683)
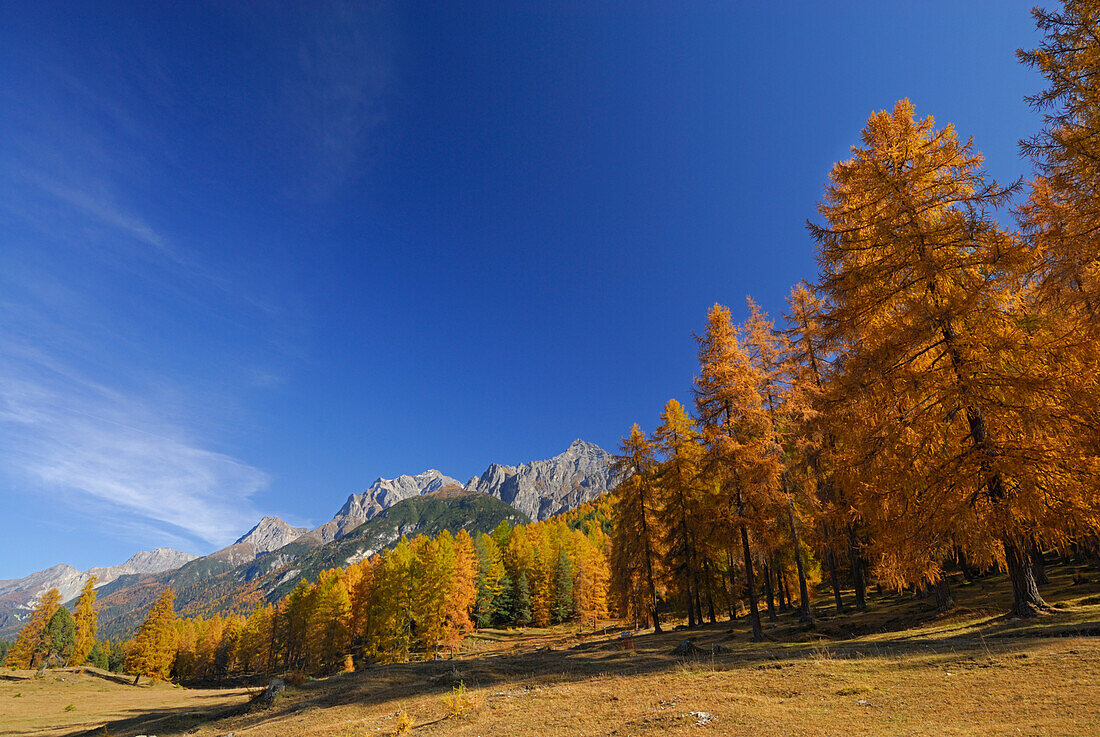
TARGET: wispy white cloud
(65,434)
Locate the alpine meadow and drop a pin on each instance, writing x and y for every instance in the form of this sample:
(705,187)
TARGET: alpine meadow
(871,510)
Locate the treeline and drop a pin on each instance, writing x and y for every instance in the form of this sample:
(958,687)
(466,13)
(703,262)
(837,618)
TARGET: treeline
(931,402)
(416,600)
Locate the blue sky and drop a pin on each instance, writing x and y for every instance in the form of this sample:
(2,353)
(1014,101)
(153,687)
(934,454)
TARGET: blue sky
(255,255)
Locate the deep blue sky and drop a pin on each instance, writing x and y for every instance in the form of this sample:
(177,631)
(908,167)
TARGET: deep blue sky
(255,255)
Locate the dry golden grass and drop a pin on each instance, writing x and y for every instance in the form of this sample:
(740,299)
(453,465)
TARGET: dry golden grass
(910,672)
(40,706)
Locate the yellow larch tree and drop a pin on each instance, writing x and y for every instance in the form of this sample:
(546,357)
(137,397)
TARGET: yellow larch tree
(947,405)
(86,618)
(681,494)
(29,643)
(462,593)
(635,545)
(742,453)
(770,353)
(154,648)
(1064,211)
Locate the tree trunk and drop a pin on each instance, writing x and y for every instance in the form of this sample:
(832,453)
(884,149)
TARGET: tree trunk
(856,561)
(784,591)
(770,593)
(750,586)
(804,614)
(970,573)
(836,581)
(733,586)
(1038,564)
(1026,600)
(944,600)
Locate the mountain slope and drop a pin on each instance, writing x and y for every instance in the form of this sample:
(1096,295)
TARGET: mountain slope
(270,533)
(213,585)
(450,508)
(271,557)
(383,493)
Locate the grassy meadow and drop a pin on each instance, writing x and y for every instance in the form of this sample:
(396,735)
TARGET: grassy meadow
(897,668)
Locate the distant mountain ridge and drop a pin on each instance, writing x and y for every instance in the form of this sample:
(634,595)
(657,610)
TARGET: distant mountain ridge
(213,584)
(536,490)
(18,596)
(541,489)
(383,493)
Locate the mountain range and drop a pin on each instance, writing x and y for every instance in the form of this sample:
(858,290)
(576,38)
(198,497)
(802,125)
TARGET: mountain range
(18,596)
(265,562)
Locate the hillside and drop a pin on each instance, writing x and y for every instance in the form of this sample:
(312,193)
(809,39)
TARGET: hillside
(213,584)
(911,672)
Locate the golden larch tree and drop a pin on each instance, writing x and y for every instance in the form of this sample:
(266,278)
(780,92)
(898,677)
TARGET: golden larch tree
(635,545)
(29,643)
(681,505)
(742,454)
(945,402)
(154,648)
(86,618)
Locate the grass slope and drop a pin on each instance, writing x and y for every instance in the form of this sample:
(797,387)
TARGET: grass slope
(970,672)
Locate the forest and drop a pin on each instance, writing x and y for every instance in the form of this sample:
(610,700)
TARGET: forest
(928,404)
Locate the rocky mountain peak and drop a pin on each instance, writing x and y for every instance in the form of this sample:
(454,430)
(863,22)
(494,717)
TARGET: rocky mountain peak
(541,489)
(271,533)
(382,494)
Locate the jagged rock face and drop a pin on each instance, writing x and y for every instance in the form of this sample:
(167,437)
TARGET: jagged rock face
(19,596)
(271,533)
(541,489)
(382,494)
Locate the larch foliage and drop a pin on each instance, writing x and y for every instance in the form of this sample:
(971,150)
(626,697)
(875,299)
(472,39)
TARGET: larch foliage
(592,578)
(635,545)
(154,648)
(30,643)
(1064,211)
(951,417)
(328,627)
(742,453)
(490,581)
(1061,223)
(681,492)
(389,635)
(86,618)
(462,594)
(432,572)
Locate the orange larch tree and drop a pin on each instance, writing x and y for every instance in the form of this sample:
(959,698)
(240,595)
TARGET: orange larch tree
(635,546)
(742,454)
(949,417)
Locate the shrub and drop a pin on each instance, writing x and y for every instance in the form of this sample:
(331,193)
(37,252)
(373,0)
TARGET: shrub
(459,702)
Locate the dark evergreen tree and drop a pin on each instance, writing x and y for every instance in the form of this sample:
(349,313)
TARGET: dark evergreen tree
(503,606)
(522,608)
(563,588)
(59,637)
(100,655)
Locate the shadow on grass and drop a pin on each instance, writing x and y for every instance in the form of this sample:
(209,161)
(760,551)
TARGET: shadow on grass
(895,627)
